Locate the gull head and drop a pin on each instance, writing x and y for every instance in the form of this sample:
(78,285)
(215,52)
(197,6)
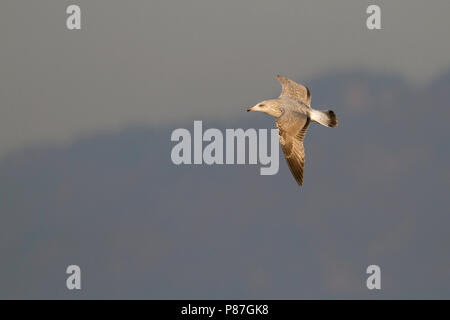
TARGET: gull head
(271,107)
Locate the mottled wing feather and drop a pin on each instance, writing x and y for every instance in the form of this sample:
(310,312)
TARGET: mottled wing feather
(292,130)
(293,90)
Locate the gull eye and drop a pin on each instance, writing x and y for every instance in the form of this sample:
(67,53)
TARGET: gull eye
(261,105)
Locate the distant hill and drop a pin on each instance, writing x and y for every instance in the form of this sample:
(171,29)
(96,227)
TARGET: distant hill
(376,192)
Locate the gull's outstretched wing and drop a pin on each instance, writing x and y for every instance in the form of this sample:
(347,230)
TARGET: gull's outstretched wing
(293,90)
(292,128)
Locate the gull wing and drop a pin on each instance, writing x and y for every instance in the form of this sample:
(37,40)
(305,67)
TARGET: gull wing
(292,127)
(293,90)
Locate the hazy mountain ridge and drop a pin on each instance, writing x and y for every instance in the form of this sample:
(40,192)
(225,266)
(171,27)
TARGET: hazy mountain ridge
(372,186)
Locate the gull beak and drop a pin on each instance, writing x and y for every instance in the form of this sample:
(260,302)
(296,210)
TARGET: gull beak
(250,109)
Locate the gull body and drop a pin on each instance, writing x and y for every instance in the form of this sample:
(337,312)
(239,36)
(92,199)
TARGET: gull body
(293,113)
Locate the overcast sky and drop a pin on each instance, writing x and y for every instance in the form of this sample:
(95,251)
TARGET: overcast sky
(156,62)
(376,187)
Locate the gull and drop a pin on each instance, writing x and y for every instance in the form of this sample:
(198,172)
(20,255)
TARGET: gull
(294,114)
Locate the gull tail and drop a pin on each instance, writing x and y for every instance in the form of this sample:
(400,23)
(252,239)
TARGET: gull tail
(326,118)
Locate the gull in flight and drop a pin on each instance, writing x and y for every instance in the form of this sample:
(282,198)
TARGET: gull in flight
(294,113)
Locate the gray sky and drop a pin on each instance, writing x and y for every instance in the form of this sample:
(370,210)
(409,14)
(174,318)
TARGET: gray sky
(108,198)
(158,62)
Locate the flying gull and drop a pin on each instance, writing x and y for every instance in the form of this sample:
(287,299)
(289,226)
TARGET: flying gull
(294,113)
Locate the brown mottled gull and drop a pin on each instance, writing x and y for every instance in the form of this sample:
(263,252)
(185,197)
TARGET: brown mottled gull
(294,113)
